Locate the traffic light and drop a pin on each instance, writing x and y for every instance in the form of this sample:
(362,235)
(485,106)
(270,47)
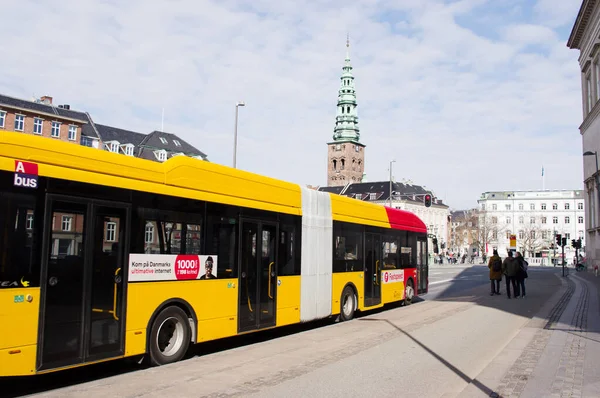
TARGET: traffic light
(564,241)
(558,239)
(573,243)
(427,200)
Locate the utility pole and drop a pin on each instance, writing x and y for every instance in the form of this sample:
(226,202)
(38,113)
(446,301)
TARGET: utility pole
(391,182)
(563,244)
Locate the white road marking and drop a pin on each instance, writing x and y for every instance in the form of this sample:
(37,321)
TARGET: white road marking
(442,281)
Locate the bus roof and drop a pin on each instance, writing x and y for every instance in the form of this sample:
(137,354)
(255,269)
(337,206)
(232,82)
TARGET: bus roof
(186,177)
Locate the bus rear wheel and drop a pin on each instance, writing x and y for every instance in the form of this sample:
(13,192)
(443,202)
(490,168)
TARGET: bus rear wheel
(347,304)
(169,336)
(409,292)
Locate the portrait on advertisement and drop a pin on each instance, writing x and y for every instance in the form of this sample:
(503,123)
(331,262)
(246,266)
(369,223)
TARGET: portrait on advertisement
(209,267)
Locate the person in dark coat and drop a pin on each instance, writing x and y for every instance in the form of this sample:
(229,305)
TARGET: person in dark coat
(521,273)
(510,267)
(495,266)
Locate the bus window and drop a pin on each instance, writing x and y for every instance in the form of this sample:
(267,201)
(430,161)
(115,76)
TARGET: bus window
(348,247)
(221,239)
(289,246)
(390,252)
(18,264)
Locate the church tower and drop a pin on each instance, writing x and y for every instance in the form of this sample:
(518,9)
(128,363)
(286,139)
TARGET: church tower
(345,154)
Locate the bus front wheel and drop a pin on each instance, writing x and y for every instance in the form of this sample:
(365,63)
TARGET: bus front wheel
(347,304)
(169,336)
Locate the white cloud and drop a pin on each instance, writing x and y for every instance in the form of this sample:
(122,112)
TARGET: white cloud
(460,112)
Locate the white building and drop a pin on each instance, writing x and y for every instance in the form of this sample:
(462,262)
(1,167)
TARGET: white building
(585,36)
(535,217)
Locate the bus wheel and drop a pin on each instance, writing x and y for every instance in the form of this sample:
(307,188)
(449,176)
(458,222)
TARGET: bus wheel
(409,292)
(347,304)
(169,336)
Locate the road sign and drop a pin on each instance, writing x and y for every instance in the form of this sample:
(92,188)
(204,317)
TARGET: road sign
(513,242)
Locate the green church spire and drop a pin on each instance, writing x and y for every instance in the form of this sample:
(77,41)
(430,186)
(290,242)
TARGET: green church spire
(346,120)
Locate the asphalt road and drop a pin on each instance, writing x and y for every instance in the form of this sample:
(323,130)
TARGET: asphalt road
(425,349)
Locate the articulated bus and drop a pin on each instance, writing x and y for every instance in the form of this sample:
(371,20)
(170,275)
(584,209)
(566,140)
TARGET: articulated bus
(106,256)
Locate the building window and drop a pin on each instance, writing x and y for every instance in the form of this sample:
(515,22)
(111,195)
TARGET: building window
(2,118)
(507,207)
(128,149)
(531,220)
(494,235)
(532,206)
(580,234)
(55,130)
(66,223)
(161,155)
(532,234)
(37,125)
(149,233)
(72,133)
(543,206)
(568,236)
(494,207)
(544,235)
(554,206)
(520,206)
(580,220)
(177,143)
(567,207)
(521,220)
(567,220)
(483,206)
(494,220)
(508,234)
(163,140)
(508,221)
(372,196)
(590,98)
(19,122)
(111,231)
(543,220)
(554,220)
(579,206)
(521,235)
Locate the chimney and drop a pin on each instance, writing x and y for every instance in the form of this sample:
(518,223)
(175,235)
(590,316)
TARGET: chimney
(46,99)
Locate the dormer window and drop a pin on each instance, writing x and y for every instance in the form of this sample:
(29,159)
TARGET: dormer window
(113,146)
(178,154)
(163,140)
(161,155)
(128,149)
(177,143)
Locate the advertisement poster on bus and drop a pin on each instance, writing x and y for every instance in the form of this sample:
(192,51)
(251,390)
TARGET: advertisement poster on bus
(392,276)
(171,267)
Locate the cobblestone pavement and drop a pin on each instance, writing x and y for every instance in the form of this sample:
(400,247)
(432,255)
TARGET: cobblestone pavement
(565,334)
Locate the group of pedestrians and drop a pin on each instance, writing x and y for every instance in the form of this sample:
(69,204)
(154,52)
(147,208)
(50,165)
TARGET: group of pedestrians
(514,269)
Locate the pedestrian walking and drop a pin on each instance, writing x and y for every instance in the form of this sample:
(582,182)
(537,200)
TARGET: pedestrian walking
(521,273)
(510,267)
(495,266)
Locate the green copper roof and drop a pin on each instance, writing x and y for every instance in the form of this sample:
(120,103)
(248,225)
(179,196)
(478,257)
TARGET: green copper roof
(346,120)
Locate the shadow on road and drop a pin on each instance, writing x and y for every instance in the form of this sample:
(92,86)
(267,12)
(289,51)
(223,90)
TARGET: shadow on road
(485,389)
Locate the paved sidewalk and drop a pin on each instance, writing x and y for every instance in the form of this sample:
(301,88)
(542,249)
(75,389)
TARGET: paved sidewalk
(557,354)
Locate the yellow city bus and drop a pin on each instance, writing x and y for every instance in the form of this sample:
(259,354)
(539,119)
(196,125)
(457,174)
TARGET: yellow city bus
(106,256)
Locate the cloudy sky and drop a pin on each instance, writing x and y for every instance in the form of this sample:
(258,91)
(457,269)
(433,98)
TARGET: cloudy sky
(467,96)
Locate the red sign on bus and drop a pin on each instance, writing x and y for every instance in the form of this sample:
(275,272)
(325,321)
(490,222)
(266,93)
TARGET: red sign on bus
(26,174)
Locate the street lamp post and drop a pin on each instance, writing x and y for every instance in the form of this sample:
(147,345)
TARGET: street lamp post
(393,161)
(237,106)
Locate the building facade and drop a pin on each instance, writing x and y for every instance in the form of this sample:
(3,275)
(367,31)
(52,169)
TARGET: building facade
(535,217)
(42,118)
(464,232)
(345,154)
(405,196)
(585,37)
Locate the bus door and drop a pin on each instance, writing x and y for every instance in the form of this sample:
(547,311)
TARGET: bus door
(373,263)
(82,281)
(422,266)
(257,275)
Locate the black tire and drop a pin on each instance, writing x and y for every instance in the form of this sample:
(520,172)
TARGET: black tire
(348,304)
(409,292)
(169,337)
